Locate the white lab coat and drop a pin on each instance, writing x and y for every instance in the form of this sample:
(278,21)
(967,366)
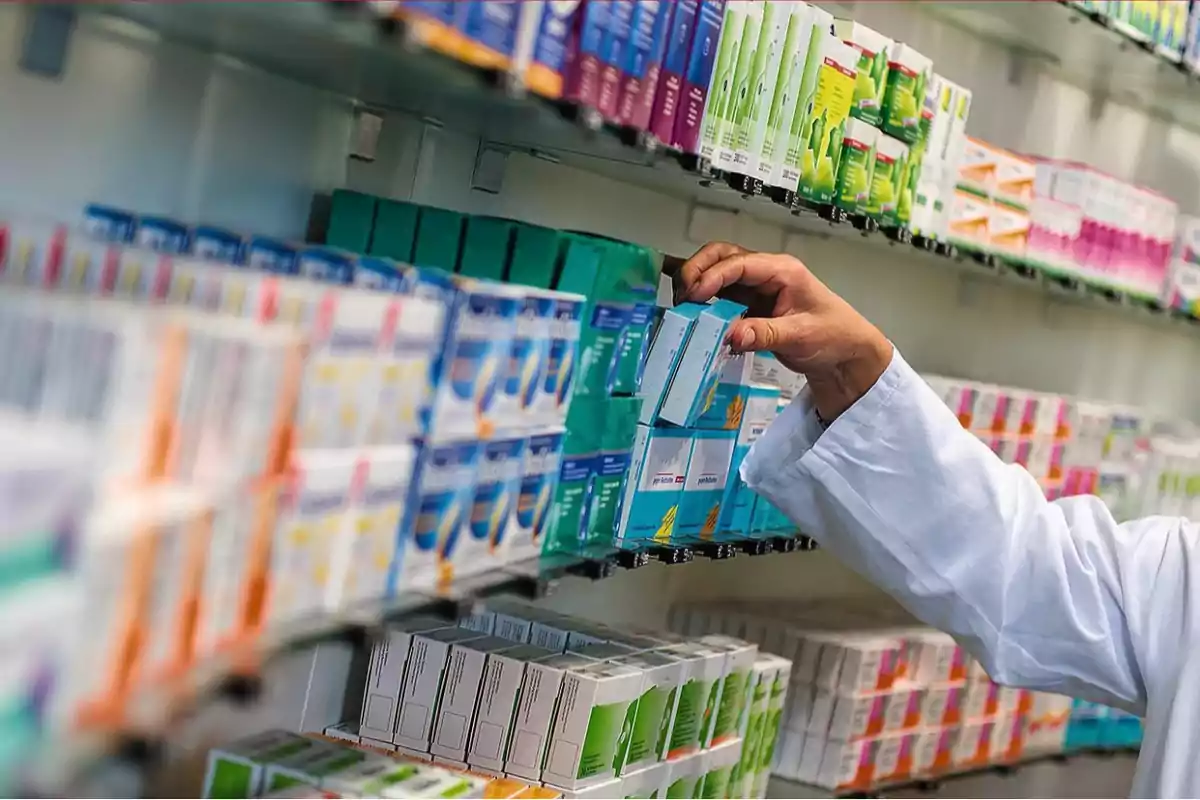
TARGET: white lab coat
(1051,596)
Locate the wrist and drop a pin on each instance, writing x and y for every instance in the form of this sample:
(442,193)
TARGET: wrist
(836,389)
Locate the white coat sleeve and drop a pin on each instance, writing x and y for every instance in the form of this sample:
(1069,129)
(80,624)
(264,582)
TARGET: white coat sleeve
(1052,596)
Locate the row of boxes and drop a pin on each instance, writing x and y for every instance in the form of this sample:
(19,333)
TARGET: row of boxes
(538,696)
(875,700)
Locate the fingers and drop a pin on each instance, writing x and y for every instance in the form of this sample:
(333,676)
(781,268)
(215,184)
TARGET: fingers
(760,334)
(747,269)
(706,257)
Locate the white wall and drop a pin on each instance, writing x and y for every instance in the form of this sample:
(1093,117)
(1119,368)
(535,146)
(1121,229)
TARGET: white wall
(153,126)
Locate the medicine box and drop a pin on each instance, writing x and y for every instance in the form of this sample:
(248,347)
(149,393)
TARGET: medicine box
(460,694)
(732,392)
(666,351)
(717,766)
(737,504)
(539,479)
(535,712)
(499,694)
(313,520)
(364,557)
(858,664)
(694,383)
(663,675)
(370,777)
(385,676)
(704,485)
(443,497)
(645,782)
(562,365)
(517,404)
(423,676)
(655,485)
(592,721)
(683,776)
(698,698)
(238,769)
(310,766)
(739,661)
(484,541)
(476,358)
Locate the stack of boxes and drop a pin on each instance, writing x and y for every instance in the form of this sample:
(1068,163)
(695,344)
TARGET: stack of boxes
(874,703)
(1064,216)
(574,705)
(612,286)
(702,409)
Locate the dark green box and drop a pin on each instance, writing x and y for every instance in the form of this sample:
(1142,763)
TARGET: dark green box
(395,230)
(486,246)
(351,220)
(439,238)
(535,256)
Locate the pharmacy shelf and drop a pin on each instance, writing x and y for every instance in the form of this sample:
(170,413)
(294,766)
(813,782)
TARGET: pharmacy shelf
(236,675)
(1083,49)
(948,784)
(345,48)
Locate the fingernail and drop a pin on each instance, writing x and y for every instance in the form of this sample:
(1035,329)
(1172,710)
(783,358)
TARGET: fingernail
(748,338)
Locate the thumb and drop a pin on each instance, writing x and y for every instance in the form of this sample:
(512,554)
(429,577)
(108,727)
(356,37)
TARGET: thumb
(759,334)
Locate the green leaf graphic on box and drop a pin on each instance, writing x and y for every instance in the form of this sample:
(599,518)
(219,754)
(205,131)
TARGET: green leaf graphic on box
(879,74)
(606,730)
(664,725)
(622,755)
(710,708)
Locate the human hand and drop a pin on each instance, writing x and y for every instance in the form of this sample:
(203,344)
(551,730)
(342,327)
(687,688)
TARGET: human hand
(793,315)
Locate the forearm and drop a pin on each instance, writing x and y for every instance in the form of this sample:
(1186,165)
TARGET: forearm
(896,489)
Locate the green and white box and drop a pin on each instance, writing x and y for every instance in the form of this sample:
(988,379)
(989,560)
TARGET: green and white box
(720,86)
(754,715)
(856,166)
(817,132)
(874,49)
(739,661)
(645,783)
(738,92)
(460,695)
(699,697)
(499,691)
(592,723)
(310,767)
(371,776)
(772,725)
(683,777)
(789,110)
(540,688)
(343,732)
(751,116)
(695,381)
(772,140)
(236,770)
(670,340)
(718,765)
(663,675)
(891,157)
(908,75)
(385,676)
(423,676)
(434,782)
(650,502)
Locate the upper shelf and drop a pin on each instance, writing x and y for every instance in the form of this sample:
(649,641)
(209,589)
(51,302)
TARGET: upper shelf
(1083,49)
(345,49)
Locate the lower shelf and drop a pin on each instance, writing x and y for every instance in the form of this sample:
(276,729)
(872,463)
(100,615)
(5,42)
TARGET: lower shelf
(932,785)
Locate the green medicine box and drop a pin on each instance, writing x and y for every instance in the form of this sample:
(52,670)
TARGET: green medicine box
(238,770)
(351,220)
(395,230)
(535,255)
(439,238)
(486,245)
